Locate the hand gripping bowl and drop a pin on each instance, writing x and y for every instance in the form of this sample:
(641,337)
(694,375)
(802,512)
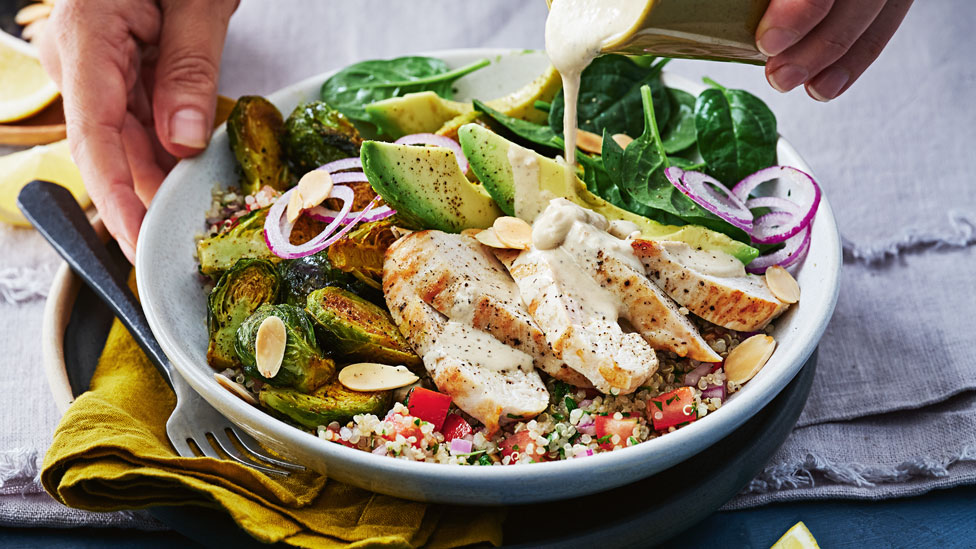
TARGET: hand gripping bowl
(174,302)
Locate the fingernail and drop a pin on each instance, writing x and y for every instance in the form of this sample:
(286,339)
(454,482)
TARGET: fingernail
(775,40)
(787,77)
(828,84)
(128,249)
(188,127)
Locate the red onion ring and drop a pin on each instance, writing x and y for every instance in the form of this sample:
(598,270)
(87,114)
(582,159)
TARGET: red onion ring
(804,196)
(351,163)
(795,250)
(326,215)
(439,141)
(707,192)
(342,232)
(277,230)
(775,203)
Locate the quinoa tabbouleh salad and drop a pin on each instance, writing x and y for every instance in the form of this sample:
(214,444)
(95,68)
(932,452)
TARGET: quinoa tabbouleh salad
(427,279)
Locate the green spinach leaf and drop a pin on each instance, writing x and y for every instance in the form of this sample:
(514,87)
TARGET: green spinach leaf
(534,134)
(736,133)
(610,99)
(679,133)
(638,172)
(355,86)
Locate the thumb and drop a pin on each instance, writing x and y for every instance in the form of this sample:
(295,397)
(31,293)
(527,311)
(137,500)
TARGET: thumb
(184,94)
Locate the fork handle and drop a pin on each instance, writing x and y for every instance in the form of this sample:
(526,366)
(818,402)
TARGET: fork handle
(58,217)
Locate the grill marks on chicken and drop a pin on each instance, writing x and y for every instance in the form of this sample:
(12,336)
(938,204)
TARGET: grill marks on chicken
(741,302)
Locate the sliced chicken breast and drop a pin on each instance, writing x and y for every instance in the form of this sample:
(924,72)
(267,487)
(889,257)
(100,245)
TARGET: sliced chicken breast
(712,285)
(489,380)
(460,278)
(579,320)
(652,313)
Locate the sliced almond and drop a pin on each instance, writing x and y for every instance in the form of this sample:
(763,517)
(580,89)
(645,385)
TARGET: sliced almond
(31,31)
(294,206)
(589,141)
(782,284)
(745,361)
(488,238)
(473,233)
(369,376)
(236,388)
(269,346)
(399,232)
(622,139)
(513,232)
(32,12)
(315,187)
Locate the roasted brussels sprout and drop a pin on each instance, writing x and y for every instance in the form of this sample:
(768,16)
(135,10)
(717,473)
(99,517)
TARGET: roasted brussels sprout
(303,366)
(239,292)
(316,134)
(244,240)
(362,250)
(332,402)
(255,129)
(302,276)
(357,329)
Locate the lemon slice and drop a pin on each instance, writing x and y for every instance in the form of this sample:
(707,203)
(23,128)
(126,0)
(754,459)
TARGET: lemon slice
(26,87)
(47,162)
(797,537)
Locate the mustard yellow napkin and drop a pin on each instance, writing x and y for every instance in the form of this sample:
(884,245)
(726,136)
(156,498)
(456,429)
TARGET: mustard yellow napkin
(111,452)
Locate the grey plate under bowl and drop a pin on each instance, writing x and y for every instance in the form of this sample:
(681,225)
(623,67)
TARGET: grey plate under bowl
(637,515)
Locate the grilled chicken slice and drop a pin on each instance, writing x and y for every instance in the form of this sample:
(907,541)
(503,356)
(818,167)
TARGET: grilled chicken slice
(712,285)
(489,380)
(652,313)
(579,320)
(461,279)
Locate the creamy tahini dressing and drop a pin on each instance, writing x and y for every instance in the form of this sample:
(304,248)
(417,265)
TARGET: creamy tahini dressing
(479,348)
(713,263)
(530,199)
(576,32)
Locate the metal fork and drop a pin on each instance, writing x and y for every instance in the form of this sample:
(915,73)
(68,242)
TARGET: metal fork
(58,217)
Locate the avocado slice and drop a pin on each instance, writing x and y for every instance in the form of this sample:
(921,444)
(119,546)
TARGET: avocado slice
(421,112)
(488,153)
(426,187)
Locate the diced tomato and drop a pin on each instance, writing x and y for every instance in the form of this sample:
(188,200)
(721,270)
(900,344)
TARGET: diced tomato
(672,409)
(429,406)
(519,442)
(408,426)
(455,427)
(606,426)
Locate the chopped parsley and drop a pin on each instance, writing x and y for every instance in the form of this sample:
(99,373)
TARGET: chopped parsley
(513,416)
(561,389)
(633,441)
(485,460)
(658,404)
(417,422)
(570,403)
(604,439)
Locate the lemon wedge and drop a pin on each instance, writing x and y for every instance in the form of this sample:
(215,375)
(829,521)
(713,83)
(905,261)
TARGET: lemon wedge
(47,162)
(26,87)
(797,537)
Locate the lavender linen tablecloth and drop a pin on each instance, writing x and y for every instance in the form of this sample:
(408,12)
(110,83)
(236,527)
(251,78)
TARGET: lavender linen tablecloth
(893,407)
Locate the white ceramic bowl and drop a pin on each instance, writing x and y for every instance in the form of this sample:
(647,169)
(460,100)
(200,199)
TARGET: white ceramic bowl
(175,304)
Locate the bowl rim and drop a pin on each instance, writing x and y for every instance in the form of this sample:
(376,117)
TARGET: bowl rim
(678,445)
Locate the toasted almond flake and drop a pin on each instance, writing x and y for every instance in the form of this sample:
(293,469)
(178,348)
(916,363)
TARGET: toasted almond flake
(513,232)
(745,361)
(399,232)
(622,139)
(471,232)
(488,238)
(31,31)
(315,187)
(589,141)
(31,13)
(294,206)
(236,388)
(269,346)
(782,284)
(369,376)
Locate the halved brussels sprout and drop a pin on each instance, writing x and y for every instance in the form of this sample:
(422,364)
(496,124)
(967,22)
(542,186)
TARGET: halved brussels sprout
(244,240)
(316,134)
(304,275)
(303,366)
(332,402)
(254,130)
(250,284)
(358,330)
(362,250)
